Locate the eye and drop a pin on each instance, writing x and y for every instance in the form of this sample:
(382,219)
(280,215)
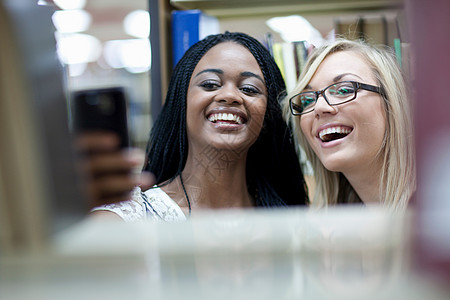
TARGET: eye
(250,90)
(345,90)
(209,85)
(307,99)
(341,90)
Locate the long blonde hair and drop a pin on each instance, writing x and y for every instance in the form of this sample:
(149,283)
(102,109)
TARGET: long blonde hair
(397,180)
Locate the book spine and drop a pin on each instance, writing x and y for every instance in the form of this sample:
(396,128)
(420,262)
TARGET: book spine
(398,51)
(269,42)
(301,54)
(278,57)
(289,66)
(185,31)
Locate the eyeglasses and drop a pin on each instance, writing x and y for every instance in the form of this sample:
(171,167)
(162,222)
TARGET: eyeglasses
(334,94)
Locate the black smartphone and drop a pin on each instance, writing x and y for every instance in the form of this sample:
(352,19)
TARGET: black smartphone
(101,109)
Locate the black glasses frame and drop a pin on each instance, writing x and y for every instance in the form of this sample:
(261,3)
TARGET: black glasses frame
(356,85)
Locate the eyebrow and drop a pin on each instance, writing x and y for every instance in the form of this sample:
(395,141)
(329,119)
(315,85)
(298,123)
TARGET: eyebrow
(251,74)
(337,78)
(219,71)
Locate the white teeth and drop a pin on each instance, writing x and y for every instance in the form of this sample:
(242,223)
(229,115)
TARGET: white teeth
(225,117)
(330,130)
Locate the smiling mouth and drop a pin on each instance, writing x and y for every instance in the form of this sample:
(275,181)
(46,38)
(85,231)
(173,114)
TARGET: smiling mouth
(334,133)
(227,118)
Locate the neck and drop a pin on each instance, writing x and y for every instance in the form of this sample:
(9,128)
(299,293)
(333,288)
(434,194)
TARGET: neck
(216,179)
(366,183)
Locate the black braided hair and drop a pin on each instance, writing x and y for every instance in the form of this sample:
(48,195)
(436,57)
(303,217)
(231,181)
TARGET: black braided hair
(274,177)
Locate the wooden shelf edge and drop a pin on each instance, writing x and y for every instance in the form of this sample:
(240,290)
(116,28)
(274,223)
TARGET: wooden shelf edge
(236,8)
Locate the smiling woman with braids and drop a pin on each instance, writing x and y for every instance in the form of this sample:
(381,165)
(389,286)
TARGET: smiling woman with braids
(352,116)
(219,142)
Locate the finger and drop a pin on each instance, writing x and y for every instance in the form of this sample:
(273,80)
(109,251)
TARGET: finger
(96,141)
(109,189)
(102,193)
(115,162)
(146,180)
(114,184)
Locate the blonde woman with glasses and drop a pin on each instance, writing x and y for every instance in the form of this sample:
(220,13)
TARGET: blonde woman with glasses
(351,114)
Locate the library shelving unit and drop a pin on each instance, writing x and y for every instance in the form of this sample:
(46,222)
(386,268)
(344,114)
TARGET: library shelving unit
(231,8)
(248,16)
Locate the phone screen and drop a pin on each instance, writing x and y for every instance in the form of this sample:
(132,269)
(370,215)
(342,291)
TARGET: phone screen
(103,109)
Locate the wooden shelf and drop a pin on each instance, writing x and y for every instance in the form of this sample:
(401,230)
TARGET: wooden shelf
(234,8)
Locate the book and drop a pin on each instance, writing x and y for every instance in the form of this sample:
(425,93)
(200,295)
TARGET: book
(268,42)
(277,49)
(189,27)
(398,51)
(300,54)
(290,58)
(290,68)
(349,27)
(374,28)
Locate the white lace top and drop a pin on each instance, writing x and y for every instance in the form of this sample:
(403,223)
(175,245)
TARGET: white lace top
(153,204)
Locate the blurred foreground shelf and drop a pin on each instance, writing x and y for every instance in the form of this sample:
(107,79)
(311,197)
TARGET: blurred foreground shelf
(350,253)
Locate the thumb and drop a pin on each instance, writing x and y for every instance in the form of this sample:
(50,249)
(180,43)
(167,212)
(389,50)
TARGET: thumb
(146,180)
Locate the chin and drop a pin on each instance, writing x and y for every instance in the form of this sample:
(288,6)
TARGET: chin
(333,166)
(232,143)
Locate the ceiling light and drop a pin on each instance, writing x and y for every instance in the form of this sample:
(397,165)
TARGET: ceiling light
(137,24)
(69,21)
(77,48)
(134,55)
(70,4)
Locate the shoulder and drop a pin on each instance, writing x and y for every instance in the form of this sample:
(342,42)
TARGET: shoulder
(130,211)
(153,204)
(160,206)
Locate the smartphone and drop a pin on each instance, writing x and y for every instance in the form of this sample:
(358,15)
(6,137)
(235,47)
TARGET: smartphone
(101,109)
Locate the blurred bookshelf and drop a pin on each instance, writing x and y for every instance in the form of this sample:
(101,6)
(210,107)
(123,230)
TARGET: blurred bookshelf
(231,8)
(39,186)
(378,22)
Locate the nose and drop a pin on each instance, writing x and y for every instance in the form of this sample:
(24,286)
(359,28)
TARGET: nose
(230,94)
(322,106)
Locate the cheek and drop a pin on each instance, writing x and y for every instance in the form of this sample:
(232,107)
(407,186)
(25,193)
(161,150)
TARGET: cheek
(192,111)
(381,130)
(306,130)
(195,103)
(261,111)
(306,126)
(374,121)
(258,111)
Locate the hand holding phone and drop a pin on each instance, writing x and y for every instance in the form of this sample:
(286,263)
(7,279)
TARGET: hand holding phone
(107,171)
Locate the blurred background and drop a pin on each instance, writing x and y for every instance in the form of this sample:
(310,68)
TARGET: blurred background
(106,43)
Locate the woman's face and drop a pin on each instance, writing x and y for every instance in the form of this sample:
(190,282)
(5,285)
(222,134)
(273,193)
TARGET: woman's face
(361,123)
(226,100)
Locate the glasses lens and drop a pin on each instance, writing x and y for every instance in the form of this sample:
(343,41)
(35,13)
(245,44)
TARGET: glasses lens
(340,92)
(303,102)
